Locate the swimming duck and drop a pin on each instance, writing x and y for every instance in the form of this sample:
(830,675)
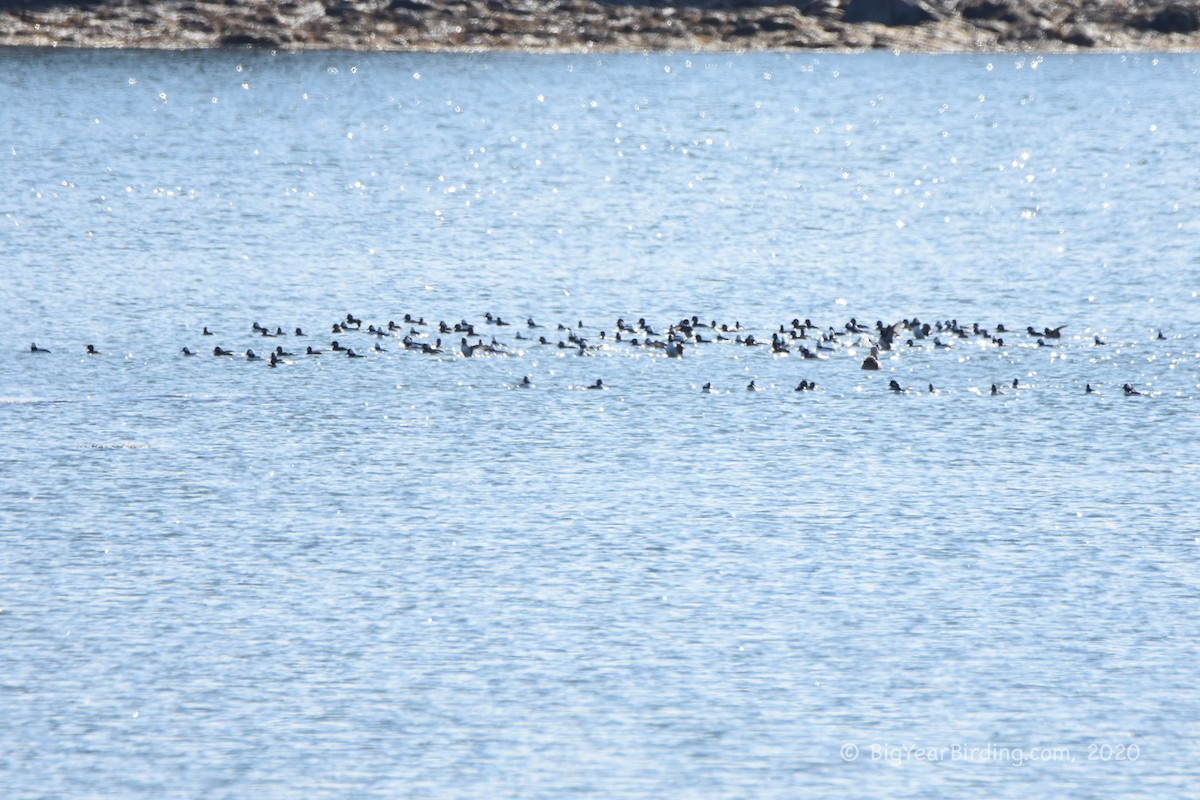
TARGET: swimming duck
(33,348)
(187,352)
(92,351)
(1130,391)
(1046,333)
(252,356)
(599,384)
(870,363)
(218,351)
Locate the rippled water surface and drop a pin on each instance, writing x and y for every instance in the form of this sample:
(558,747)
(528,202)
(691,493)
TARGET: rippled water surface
(406,575)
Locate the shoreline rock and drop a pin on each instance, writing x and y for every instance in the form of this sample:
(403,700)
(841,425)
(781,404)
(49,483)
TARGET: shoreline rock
(606,25)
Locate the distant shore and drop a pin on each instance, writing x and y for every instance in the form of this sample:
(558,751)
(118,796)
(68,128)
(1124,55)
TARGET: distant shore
(583,25)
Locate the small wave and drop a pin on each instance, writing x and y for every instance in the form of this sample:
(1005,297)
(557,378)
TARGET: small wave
(115,446)
(28,401)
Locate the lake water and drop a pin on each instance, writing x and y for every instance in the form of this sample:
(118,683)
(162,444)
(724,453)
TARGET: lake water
(402,575)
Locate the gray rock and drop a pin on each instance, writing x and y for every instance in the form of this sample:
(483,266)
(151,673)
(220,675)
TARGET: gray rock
(247,39)
(412,5)
(820,8)
(1079,35)
(777,24)
(889,12)
(402,25)
(991,10)
(1175,18)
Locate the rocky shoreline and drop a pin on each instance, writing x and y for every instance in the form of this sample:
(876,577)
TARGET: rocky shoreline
(582,25)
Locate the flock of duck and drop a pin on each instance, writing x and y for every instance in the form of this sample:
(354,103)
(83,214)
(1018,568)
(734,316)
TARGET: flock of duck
(798,337)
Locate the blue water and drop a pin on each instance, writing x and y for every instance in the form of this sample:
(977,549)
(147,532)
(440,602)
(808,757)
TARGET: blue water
(403,575)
